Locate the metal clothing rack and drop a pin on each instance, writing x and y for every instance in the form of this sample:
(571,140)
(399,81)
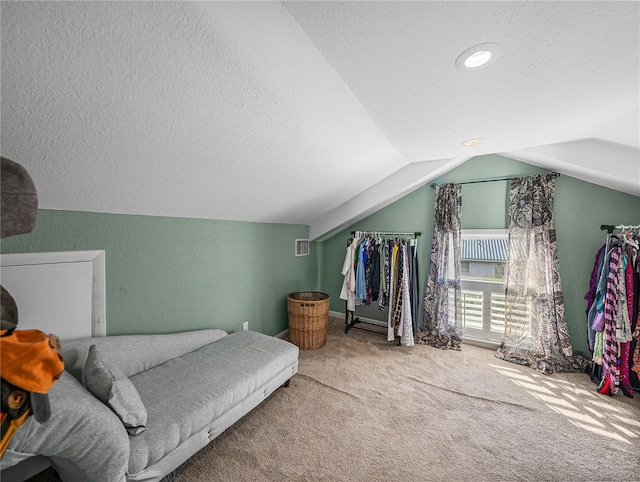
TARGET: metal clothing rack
(609,228)
(357,321)
(415,234)
(596,368)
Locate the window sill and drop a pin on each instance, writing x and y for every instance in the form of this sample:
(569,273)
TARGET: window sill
(489,344)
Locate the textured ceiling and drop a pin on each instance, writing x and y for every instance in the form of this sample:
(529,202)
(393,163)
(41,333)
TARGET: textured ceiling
(307,112)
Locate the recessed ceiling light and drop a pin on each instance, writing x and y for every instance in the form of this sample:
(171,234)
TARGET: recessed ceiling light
(472,142)
(478,57)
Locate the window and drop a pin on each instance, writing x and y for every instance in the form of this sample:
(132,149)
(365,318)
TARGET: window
(483,261)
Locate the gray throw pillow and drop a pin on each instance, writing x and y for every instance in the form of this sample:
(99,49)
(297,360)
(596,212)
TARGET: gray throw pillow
(109,385)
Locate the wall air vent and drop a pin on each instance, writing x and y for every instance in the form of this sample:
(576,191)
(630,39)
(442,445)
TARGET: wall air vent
(302,247)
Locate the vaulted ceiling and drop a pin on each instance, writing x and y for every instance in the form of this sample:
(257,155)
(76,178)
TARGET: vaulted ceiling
(308,112)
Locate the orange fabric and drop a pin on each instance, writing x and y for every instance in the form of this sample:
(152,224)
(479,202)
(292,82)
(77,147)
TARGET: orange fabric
(30,360)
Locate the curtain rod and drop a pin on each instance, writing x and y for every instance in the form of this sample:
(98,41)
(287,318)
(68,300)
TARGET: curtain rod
(554,174)
(387,233)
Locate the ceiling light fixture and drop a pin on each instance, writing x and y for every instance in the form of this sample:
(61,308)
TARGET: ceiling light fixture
(472,142)
(478,57)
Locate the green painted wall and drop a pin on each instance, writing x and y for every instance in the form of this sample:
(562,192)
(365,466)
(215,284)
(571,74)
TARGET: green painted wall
(580,209)
(174,274)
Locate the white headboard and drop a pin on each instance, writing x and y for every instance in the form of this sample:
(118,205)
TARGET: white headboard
(60,292)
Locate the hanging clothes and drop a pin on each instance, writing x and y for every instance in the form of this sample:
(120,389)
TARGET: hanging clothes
(382,270)
(397,285)
(413,282)
(590,296)
(610,369)
(348,271)
(361,260)
(374,280)
(405,331)
(385,275)
(392,289)
(613,323)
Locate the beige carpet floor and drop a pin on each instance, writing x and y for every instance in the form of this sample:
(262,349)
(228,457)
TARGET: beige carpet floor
(364,409)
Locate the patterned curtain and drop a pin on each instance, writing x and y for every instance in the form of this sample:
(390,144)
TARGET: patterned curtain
(535,328)
(442,322)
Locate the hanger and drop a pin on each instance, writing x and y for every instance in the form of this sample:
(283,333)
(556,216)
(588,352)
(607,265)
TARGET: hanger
(627,238)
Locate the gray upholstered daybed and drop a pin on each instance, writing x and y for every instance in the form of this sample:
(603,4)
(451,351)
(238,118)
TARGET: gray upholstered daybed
(192,386)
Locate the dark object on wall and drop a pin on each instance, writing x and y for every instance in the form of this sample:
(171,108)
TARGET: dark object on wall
(19,200)
(31,361)
(18,213)
(9,309)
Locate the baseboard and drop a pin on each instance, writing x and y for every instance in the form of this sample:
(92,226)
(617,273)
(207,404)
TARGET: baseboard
(489,344)
(336,314)
(340,315)
(284,335)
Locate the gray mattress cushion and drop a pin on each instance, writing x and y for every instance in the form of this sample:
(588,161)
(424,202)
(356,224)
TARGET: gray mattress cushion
(135,353)
(83,438)
(185,394)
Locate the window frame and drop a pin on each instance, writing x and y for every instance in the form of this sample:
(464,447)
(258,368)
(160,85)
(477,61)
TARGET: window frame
(492,291)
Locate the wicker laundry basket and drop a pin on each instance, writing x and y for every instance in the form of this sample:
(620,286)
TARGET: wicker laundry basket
(308,319)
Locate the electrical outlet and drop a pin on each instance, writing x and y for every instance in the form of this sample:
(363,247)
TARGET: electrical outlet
(245,325)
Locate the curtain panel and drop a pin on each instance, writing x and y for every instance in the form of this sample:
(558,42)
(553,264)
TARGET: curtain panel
(535,328)
(442,319)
